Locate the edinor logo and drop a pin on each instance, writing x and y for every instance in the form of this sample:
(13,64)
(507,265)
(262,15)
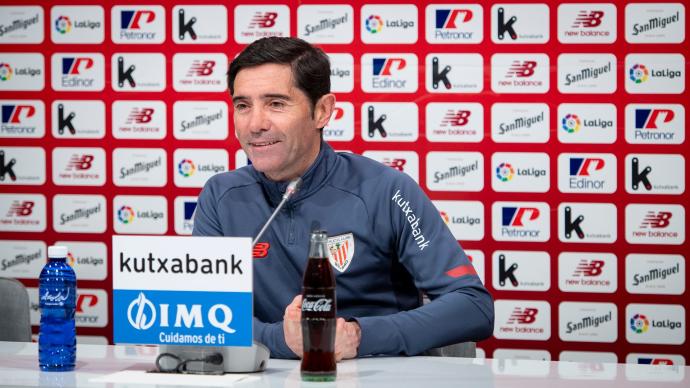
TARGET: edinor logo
(505,172)
(639,323)
(75,65)
(186,168)
(638,73)
(571,123)
(63,25)
(125,214)
(383,66)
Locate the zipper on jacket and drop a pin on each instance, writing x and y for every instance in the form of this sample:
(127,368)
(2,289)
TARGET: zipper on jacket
(291,225)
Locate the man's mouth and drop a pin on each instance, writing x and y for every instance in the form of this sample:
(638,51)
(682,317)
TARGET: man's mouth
(263,143)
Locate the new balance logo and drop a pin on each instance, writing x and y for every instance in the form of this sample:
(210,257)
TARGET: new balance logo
(456,118)
(640,177)
(584,166)
(656,220)
(130,20)
(13,114)
(589,268)
(524,316)
(65,122)
(263,20)
(383,66)
(80,163)
(513,216)
(123,75)
(648,118)
(439,76)
(260,250)
(75,65)
(201,68)
(185,28)
(504,273)
(447,18)
(573,226)
(521,69)
(506,27)
(376,124)
(140,116)
(7,169)
(21,209)
(588,19)
(398,164)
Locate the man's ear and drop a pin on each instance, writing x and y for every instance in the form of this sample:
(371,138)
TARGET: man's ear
(324,109)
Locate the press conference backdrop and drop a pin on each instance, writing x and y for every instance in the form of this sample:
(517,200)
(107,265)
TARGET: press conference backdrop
(551,138)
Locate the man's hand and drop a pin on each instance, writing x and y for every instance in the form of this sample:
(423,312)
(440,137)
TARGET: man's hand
(347,338)
(292,326)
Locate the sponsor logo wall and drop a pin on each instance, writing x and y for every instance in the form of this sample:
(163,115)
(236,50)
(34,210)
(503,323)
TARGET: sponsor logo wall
(551,138)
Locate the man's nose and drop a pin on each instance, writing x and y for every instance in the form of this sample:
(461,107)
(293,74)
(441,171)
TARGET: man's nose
(258,120)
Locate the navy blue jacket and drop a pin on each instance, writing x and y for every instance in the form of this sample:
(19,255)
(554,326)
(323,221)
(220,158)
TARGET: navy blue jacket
(400,248)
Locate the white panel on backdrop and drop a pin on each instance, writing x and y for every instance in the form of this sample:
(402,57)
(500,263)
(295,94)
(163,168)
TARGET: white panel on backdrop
(77,24)
(521,270)
(520,23)
(478,261)
(655,324)
(193,167)
(655,23)
(465,219)
(586,123)
(404,161)
(78,72)
(526,172)
(342,72)
(388,23)
(521,362)
(587,223)
(140,214)
(22,259)
(22,119)
(79,213)
(184,214)
(138,119)
(655,274)
(254,22)
(455,171)
(78,119)
(587,272)
(587,23)
(655,123)
(89,259)
(140,167)
(585,73)
(522,319)
(454,122)
(200,120)
(199,24)
(22,166)
(389,73)
(654,174)
(138,72)
(79,166)
(520,221)
(325,23)
(655,73)
(137,24)
(454,73)
(587,322)
(520,73)
(341,126)
(454,23)
(587,173)
(21,24)
(19,71)
(390,121)
(200,72)
(22,212)
(655,224)
(520,123)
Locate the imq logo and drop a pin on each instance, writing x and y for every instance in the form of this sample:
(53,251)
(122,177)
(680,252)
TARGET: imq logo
(519,23)
(254,22)
(21,24)
(587,322)
(587,123)
(138,24)
(520,221)
(655,23)
(521,271)
(587,272)
(78,72)
(454,73)
(77,24)
(655,224)
(78,119)
(655,274)
(654,123)
(654,174)
(325,23)
(454,122)
(587,173)
(520,73)
(201,24)
(446,23)
(587,222)
(522,320)
(138,72)
(390,121)
(393,73)
(22,119)
(587,23)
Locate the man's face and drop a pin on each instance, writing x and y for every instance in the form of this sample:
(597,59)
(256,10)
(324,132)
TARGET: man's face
(274,122)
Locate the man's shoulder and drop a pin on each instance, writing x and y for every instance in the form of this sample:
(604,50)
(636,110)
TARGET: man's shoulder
(362,175)
(222,183)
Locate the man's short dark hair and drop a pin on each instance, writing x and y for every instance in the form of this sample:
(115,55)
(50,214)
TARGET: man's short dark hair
(310,67)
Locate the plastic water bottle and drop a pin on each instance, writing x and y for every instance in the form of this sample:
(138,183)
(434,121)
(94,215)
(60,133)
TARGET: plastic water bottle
(57,293)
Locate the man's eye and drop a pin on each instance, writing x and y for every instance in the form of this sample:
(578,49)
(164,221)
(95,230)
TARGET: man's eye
(277,104)
(240,106)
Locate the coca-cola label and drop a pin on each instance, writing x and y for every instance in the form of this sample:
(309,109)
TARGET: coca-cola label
(317,304)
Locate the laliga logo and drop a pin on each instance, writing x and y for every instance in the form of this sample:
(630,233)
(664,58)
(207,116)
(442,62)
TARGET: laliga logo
(125,214)
(505,172)
(571,123)
(186,168)
(373,24)
(445,217)
(146,315)
(639,323)
(63,25)
(639,73)
(5,72)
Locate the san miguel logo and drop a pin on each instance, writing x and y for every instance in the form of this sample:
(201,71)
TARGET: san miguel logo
(341,250)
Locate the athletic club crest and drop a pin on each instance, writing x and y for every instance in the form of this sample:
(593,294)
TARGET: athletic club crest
(340,251)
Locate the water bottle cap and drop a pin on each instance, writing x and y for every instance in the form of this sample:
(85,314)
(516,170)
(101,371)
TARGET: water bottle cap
(57,251)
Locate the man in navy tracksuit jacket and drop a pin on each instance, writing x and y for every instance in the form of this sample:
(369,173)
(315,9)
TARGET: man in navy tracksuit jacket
(388,242)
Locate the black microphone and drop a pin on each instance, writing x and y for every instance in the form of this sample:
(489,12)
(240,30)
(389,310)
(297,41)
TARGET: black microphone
(291,189)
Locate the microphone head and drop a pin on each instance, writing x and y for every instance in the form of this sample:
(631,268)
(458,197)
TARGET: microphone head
(292,187)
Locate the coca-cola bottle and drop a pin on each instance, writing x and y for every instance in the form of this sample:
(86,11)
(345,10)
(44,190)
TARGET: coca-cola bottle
(318,313)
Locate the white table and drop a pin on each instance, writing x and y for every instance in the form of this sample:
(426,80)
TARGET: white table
(19,367)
